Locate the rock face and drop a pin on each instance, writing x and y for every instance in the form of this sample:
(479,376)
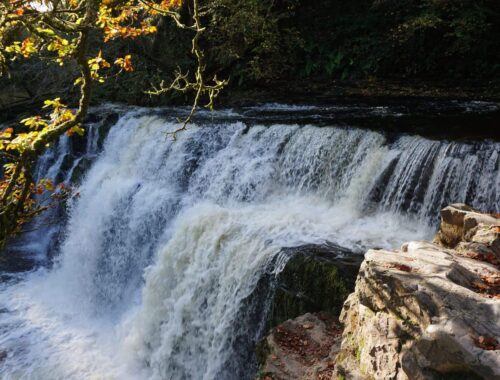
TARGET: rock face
(316,278)
(312,289)
(427,312)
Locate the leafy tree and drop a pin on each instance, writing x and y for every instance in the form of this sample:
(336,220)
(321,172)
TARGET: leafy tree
(72,33)
(252,39)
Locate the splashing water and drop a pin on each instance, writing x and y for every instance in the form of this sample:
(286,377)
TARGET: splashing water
(164,248)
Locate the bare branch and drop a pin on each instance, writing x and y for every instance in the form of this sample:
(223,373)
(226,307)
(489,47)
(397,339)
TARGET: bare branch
(182,83)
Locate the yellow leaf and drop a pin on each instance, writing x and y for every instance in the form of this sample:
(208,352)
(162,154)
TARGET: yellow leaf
(49,185)
(79,130)
(125,63)
(7,133)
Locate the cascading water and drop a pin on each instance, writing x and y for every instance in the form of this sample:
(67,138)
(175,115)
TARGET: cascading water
(167,241)
(64,163)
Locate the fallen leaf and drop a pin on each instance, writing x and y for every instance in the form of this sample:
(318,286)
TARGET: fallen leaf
(487,343)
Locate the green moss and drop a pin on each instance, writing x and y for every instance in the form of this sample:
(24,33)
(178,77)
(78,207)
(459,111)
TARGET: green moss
(310,284)
(359,349)
(340,357)
(358,355)
(411,323)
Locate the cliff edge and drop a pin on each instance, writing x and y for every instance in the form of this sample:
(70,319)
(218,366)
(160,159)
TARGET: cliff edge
(430,310)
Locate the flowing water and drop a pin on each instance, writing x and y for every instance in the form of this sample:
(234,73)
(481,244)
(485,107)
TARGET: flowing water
(166,243)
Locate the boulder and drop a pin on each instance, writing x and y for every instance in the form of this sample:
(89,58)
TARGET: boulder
(425,311)
(459,222)
(489,237)
(422,312)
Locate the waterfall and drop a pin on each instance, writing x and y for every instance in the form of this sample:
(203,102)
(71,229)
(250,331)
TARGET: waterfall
(63,164)
(161,256)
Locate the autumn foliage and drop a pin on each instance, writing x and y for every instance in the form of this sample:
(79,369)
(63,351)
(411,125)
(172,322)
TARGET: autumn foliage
(60,31)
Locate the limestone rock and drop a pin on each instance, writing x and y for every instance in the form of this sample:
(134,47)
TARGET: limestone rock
(460,223)
(423,312)
(452,224)
(488,236)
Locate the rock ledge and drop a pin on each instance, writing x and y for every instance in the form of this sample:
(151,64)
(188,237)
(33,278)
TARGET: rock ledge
(426,311)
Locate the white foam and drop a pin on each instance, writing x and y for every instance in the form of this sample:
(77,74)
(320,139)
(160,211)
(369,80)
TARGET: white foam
(167,240)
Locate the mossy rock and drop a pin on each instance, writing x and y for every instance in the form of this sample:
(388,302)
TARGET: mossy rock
(316,278)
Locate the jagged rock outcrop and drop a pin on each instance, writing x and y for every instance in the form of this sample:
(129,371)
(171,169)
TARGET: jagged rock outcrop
(469,231)
(426,311)
(311,288)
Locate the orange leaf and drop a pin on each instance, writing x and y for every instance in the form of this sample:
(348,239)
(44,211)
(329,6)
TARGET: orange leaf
(125,63)
(487,343)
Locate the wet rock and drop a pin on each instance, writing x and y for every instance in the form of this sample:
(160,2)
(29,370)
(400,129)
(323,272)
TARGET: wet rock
(80,169)
(316,278)
(312,287)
